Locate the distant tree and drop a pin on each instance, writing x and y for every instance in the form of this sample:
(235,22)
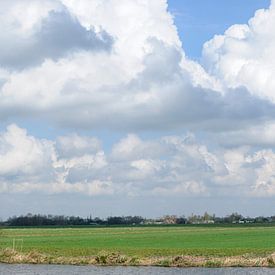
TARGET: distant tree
(114,220)
(235,217)
(181,220)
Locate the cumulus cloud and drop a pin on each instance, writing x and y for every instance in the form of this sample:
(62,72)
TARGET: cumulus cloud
(120,65)
(244,55)
(55,34)
(144,82)
(23,155)
(166,166)
(159,97)
(78,164)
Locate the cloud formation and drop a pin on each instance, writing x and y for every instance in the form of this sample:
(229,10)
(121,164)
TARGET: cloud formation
(167,166)
(55,34)
(22,155)
(120,65)
(245,54)
(144,82)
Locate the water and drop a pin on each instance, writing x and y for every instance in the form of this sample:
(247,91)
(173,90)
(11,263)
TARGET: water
(75,270)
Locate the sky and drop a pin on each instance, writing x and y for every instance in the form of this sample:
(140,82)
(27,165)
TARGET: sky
(137,107)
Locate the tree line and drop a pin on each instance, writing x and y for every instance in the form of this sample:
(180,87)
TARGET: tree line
(61,220)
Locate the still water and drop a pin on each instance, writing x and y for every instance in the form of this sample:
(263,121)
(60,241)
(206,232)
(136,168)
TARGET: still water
(75,270)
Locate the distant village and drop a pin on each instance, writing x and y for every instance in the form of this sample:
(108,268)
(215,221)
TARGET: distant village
(61,220)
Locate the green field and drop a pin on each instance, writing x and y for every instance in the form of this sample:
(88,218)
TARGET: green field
(143,241)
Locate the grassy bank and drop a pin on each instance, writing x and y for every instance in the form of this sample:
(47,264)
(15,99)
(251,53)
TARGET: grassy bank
(165,246)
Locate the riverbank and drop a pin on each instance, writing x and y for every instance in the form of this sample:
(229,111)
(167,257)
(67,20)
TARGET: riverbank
(113,259)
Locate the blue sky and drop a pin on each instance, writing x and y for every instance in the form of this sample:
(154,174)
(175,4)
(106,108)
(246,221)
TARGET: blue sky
(126,103)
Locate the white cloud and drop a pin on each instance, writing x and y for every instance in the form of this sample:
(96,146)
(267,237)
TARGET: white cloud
(261,135)
(23,155)
(133,148)
(167,166)
(74,145)
(140,80)
(144,82)
(22,16)
(32,32)
(245,54)
(131,23)
(264,164)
